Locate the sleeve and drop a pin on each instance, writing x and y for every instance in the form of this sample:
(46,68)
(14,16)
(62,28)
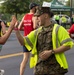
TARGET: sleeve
(29,40)
(64,37)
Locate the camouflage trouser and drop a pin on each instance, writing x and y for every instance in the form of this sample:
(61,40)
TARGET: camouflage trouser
(53,69)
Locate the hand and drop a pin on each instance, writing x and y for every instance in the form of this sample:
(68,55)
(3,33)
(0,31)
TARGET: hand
(16,24)
(45,54)
(13,21)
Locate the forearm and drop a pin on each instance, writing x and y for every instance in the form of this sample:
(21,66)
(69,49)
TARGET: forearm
(20,37)
(4,38)
(47,53)
(61,49)
(21,23)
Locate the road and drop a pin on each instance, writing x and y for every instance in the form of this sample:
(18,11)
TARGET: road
(11,57)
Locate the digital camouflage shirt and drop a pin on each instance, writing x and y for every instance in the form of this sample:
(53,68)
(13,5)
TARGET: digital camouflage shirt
(50,65)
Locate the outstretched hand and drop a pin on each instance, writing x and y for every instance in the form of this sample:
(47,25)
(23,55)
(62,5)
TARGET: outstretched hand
(13,21)
(16,24)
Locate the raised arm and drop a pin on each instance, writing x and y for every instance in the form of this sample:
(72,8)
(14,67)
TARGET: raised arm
(20,24)
(4,38)
(19,35)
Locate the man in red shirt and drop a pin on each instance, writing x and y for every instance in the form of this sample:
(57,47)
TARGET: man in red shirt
(29,24)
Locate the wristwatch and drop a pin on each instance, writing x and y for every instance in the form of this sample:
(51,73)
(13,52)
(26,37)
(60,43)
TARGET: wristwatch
(53,52)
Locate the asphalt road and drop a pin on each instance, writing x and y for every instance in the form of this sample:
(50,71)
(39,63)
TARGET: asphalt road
(11,57)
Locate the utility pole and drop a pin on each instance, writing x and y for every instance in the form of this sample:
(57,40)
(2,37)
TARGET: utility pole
(71,7)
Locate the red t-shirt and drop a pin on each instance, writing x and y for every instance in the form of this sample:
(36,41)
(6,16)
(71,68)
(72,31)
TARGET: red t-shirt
(71,30)
(28,24)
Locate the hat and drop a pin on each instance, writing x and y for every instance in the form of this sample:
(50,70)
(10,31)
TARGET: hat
(32,5)
(44,9)
(41,10)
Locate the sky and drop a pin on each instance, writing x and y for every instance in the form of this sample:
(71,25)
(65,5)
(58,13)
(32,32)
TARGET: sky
(1,1)
(66,0)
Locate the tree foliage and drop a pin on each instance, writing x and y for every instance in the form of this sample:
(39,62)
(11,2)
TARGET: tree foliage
(15,6)
(68,3)
(18,6)
(41,1)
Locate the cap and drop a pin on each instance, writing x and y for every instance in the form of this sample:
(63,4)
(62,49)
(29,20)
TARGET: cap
(32,5)
(44,9)
(41,10)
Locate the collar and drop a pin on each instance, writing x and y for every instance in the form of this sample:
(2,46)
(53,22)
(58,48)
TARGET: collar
(48,28)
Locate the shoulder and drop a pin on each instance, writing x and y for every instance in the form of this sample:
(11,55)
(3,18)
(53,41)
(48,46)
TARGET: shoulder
(24,16)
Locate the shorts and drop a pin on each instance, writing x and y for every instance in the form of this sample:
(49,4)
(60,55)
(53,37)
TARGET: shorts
(25,49)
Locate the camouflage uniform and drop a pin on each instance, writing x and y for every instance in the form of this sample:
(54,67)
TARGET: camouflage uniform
(49,66)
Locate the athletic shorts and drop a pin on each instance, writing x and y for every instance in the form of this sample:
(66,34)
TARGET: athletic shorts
(25,49)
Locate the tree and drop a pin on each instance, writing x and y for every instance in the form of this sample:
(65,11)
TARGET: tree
(15,6)
(68,3)
(41,1)
(18,6)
